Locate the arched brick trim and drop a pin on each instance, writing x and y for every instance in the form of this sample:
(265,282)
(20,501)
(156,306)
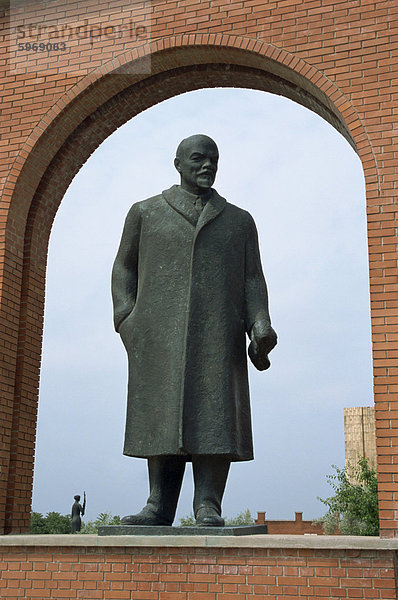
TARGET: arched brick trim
(322,95)
(64,139)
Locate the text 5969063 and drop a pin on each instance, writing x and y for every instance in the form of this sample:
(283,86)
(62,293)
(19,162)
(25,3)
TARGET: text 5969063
(42,46)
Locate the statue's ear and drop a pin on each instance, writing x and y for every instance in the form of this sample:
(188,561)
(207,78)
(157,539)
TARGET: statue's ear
(177,164)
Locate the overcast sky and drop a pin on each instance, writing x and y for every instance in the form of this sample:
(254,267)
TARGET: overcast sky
(304,186)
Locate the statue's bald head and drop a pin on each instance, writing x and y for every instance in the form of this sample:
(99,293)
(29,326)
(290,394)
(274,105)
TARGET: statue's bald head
(193,141)
(196,161)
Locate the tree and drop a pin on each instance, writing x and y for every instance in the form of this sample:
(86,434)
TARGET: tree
(37,523)
(102,519)
(57,523)
(243,518)
(188,521)
(53,523)
(353,510)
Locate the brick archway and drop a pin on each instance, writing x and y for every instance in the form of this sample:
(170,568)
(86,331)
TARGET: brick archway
(59,145)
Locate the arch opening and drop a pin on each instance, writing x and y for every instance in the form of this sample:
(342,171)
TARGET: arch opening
(80,128)
(285,220)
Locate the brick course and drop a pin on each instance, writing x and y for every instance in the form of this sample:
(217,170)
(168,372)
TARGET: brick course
(154,573)
(337,57)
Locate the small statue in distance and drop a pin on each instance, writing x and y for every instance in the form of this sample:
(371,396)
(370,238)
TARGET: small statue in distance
(77,510)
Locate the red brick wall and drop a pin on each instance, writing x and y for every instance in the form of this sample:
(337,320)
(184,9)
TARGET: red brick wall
(337,57)
(195,573)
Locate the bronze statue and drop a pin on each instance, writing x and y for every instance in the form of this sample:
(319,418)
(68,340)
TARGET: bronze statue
(77,510)
(187,286)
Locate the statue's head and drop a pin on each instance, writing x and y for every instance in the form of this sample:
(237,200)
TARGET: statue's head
(196,161)
(77,497)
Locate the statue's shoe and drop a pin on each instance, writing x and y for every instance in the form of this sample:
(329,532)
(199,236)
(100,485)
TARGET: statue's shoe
(145,517)
(207,516)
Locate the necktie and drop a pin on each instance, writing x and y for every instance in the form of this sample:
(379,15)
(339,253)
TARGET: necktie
(198,204)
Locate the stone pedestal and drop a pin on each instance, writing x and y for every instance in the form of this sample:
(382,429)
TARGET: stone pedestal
(143,530)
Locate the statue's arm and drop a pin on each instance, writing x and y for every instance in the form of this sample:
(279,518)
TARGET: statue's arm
(258,320)
(125,271)
(84,504)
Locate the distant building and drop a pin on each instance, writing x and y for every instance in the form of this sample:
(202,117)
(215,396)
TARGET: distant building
(360,440)
(296,527)
(360,435)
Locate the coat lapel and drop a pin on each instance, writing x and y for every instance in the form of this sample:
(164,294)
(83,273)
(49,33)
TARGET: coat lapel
(214,206)
(180,204)
(184,206)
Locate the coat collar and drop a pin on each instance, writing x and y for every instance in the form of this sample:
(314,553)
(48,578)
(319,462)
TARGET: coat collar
(175,197)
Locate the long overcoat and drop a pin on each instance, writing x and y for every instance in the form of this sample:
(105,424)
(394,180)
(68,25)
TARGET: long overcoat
(186,290)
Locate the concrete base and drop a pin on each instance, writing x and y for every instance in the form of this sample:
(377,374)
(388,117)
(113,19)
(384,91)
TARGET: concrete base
(164,530)
(265,543)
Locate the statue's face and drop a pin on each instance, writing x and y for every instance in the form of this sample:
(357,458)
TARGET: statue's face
(197,164)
